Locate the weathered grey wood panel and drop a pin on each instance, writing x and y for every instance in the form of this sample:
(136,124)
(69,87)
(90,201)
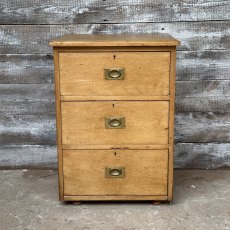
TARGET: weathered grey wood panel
(203,65)
(27,107)
(194,89)
(31,156)
(34,39)
(27,91)
(202,127)
(25,69)
(25,101)
(99,11)
(203,104)
(202,156)
(195,127)
(191,65)
(187,155)
(203,88)
(27,130)
(27,114)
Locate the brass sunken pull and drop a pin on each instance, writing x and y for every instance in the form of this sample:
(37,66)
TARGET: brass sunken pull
(114,123)
(117,172)
(115,74)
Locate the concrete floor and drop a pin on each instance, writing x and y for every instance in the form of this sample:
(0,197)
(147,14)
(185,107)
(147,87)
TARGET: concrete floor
(29,200)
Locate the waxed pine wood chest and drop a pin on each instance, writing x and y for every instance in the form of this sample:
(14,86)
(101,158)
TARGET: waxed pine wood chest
(115,116)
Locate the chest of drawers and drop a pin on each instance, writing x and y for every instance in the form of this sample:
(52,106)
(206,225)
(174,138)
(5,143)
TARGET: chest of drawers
(115,116)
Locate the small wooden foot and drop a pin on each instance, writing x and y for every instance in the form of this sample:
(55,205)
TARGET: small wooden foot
(156,202)
(76,202)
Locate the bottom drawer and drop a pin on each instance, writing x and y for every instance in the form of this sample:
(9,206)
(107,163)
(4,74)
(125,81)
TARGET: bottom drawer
(115,172)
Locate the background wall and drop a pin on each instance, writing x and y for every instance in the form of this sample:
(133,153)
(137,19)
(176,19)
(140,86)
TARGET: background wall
(27,112)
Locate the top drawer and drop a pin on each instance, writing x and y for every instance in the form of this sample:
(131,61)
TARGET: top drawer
(87,73)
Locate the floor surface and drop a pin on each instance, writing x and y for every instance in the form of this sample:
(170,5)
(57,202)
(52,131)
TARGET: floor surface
(29,200)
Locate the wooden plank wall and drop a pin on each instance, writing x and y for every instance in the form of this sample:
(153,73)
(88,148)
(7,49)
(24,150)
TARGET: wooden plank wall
(27,114)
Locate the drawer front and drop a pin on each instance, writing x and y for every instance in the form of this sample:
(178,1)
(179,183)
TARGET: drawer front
(141,74)
(96,172)
(115,123)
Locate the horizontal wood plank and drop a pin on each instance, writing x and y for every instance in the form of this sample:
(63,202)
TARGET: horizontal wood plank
(202,127)
(94,11)
(27,39)
(203,104)
(187,155)
(202,156)
(112,198)
(38,68)
(26,69)
(27,130)
(146,147)
(196,127)
(115,40)
(203,88)
(27,107)
(110,98)
(39,107)
(27,91)
(28,156)
(203,65)
(191,96)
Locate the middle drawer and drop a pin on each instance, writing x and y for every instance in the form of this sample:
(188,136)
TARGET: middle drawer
(115,123)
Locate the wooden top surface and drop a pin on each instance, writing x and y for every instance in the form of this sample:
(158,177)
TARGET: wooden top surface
(89,40)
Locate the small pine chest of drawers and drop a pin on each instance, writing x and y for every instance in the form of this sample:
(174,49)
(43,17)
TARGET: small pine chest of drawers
(115,116)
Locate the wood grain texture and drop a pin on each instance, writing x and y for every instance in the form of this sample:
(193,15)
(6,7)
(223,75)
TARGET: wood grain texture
(58,123)
(171,121)
(27,107)
(145,172)
(191,65)
(202,26)
(27,130)
(28,156)
(203,89)
(115,40)
(83,74)
(203,65)
(110,98)
(27,91)
(187,155)
(203,104)
(26,69)
(98,11)
(106,147)
(196,127)
(113,198)
(17,39)
(202,156)
(202,127)
(184,89)
(146,123)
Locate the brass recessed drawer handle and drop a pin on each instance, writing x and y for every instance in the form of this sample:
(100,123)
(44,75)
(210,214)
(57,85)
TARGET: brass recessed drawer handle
(115,74)
(118,172)
(114,123)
